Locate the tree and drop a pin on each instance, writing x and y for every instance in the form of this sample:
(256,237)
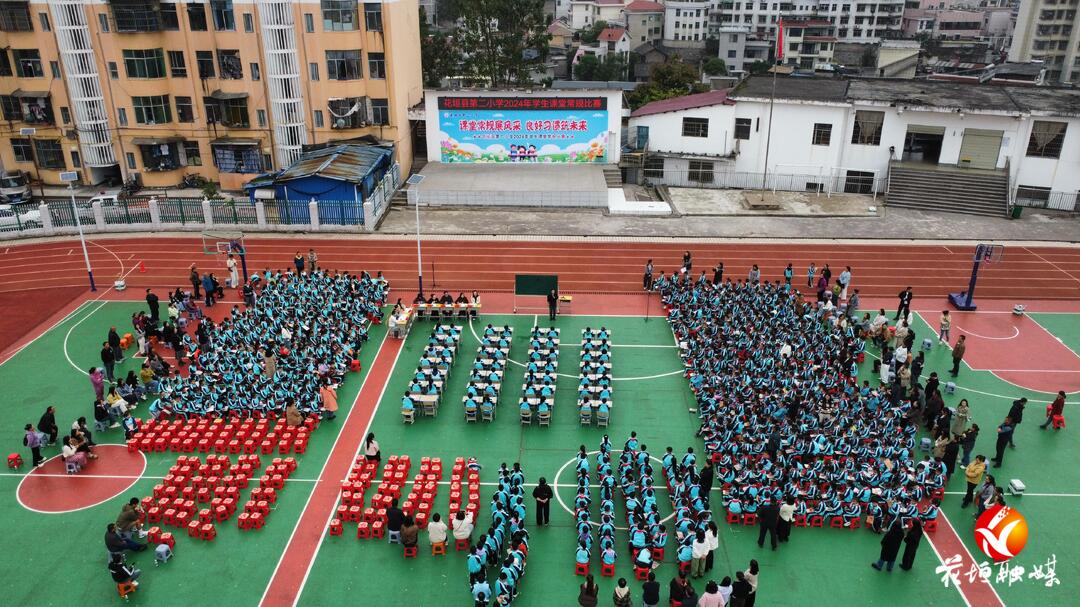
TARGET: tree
(439,55)
(759,67)
(715,67)
(504,42)
(590,35)
(673,78)
(611,67)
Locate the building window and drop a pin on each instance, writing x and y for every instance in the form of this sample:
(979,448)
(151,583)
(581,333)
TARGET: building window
(237,158)
(1047,139)
(232,113)
(144,63)
(184,110)
(260,117)
(169,21)
(317,118)
(22,150)
(343,65)
(121,116)
(695,127)
(224,19)
(130,160)
(177,64)
(348,113)
(196,14)
(205,62)
(114,71)
(373,16)
(313,69)
(867,130)
(135,16)
(153,109)
(822,134)
(229,65)
(27,63)
(54,69)
(249,23)
(160,157)
(380,111)
(65,115)
(76,161)
(309,23)
(12,109)
(339,15)
(49,154)
(192,153)
(256,72)
(15,17)
(5,63)
(701,171)
(859,182)
(103,22)
(376,65)
(654,167)
(44,18)
(742,128)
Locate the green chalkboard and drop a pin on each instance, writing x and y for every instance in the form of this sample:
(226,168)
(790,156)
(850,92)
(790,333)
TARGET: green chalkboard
(535,284)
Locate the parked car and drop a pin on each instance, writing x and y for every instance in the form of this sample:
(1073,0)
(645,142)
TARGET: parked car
(17,218)
(14,187)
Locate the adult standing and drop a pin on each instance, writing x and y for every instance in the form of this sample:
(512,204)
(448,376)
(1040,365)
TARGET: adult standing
(1016,412)
(718,274)
(974,475)
(811,271)
(753,277)
(786,518)
(298,262)
(34,440)
(621,596)
(952,451)
(114,343)
(650,592)
(751,573)
(208,289)
(553,304)
(961,417)
(1004,435)
(705,478)
(328,394)
(712,538)
(155,307)
(712,596)
(740,590)
(647,280)
(543,494)
(904,306)
(47,425)
(687,263)
(845,280)
(788,273)
(958,354)
(967,443)
(911,544)
(852,304)
(313,260)
(588,592)
(768,519)
(890,547)
(234,274)
(1056,408)
(700,549)
(195,281)
(97,380)
(108,359)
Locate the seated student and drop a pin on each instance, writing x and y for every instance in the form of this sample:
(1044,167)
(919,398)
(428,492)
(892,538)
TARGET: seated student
(123,573)
(463,525)
(407,405)
(582,554)
(130,425)
(410,533)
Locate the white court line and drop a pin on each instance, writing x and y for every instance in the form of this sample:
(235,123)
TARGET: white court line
(930,540)
(644,346)
(98,503)
(1025,494)
(1048,332)
(1016,333)
(1056,267)
(43,333)
(110,252)
(333,512)
(68,336)
(80,475)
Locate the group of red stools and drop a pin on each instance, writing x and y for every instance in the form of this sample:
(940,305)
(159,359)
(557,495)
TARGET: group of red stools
(419,501)
(262,498)
(373,522)
(177,501)
(464,489)
(249,436)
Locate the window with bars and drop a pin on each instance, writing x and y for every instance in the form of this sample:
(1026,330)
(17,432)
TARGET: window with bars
(27,63)
(347,113)
(22,150)
(376,65)
(15,17)
(12,109)
(339,15)
(654,167)
(205,62)
(822,134)
(196,14)
(152,109)
(170,22)
(237,158)
(135,15)
(701,171)
(185,112)
(373,16)
(867,129)
(37,110)
(742,128)
(193,153)
(144,63)
(1047,139)
(160,157)
(695,127)
(49,154)
(229,65)
(177,64)
(5,63)
(232,113)
(224,17)
(343,65)
(380,111)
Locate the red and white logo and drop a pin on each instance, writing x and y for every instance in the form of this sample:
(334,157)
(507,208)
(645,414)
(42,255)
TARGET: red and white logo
(1001,533)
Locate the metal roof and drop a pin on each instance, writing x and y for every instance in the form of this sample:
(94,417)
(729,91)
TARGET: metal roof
(350,163)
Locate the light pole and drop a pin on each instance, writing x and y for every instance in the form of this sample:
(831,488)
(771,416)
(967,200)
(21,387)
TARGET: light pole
(414,198)
(70,177)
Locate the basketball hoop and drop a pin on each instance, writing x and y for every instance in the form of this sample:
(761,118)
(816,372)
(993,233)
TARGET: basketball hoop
(984,253)
(989,253)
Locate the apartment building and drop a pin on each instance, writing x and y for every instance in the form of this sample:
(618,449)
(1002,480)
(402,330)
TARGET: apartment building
(226,89)
(1049,31)
(808,42)
(645,21)
(686,20)
(584,13)
(852,21)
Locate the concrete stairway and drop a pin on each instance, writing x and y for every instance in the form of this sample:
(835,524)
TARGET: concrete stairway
(948,189)
(613,177)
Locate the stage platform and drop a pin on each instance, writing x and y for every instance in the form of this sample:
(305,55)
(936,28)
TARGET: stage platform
(531,185)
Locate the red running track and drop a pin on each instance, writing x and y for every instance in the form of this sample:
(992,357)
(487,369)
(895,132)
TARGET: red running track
(880,270)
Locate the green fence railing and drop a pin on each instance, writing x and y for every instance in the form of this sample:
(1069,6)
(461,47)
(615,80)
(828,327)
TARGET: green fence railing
(181,210)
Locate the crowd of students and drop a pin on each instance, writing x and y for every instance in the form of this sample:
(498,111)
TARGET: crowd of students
(507,531)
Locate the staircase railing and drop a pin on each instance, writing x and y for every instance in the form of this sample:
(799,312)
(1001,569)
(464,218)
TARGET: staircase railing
(1010,193)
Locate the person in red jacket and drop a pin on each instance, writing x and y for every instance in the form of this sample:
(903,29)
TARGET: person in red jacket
(1056,408)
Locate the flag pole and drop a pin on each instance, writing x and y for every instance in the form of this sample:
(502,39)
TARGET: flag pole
(772,100)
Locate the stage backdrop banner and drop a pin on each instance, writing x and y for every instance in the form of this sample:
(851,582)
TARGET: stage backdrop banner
(523,129)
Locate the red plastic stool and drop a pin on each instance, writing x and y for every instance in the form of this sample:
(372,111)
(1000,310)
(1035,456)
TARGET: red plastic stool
(930,525)
(732,518)
(1058,422)
(410,552)
(749,519)
(154,535)
(461,545)
(438,549)
(607,570)
(641,573)
(581,569)
(817,521)
(363,530)
(207,532)
(378,528)
(244,520)
(14,461)
(335,527)
(684,567)
(168,540)
(193,528)
(658,554)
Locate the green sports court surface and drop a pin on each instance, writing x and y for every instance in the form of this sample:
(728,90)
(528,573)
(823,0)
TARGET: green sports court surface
(55,559)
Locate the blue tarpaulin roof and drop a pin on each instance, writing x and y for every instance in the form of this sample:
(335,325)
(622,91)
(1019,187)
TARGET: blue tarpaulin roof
(350,163)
